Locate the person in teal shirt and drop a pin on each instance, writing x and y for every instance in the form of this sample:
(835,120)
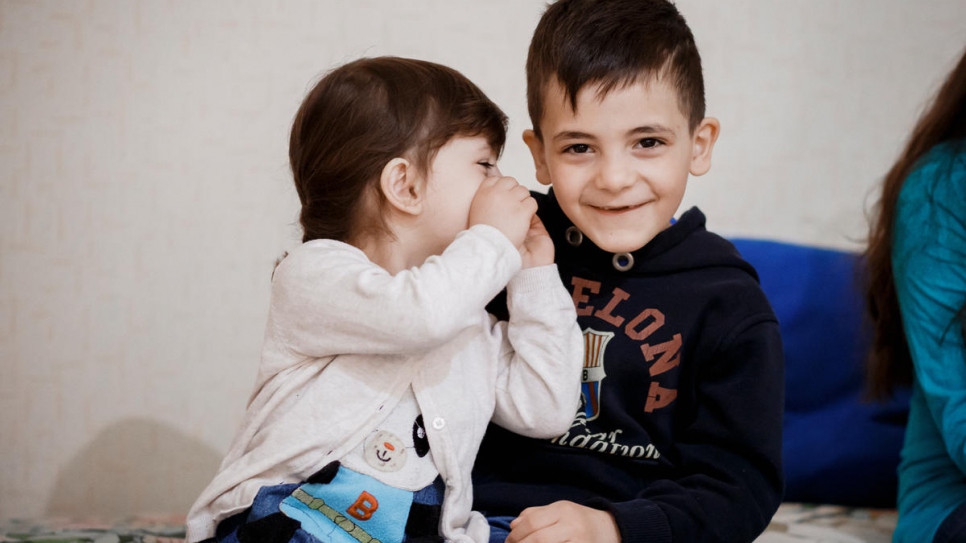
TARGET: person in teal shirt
(916,264)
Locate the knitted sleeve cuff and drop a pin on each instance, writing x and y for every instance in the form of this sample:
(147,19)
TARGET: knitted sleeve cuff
(639,521)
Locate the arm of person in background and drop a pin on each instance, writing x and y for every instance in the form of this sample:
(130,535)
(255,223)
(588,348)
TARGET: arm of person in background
(929,263)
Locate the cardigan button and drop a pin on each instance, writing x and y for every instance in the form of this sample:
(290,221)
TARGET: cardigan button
(438,423)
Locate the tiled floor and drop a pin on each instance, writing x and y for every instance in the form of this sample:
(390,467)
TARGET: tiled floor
(794,523)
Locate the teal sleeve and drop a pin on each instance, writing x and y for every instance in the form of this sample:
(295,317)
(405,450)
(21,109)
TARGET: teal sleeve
(929,263)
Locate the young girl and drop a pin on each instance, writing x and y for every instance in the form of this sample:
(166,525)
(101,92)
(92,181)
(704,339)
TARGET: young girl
(381,368)
(916,292)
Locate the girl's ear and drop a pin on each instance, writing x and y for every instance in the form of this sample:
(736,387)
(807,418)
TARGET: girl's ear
(401,186)
(702,144)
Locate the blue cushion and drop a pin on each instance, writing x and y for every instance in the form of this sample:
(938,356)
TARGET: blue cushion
(838,446)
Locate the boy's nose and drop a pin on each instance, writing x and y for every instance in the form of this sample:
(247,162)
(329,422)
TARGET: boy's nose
(614,175)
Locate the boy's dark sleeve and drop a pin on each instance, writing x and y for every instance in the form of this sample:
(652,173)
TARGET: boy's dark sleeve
(730,456)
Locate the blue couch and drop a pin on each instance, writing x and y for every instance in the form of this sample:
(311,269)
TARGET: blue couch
(839,448)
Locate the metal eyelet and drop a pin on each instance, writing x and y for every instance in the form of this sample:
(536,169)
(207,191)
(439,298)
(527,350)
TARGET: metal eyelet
(574,236)
(623,261)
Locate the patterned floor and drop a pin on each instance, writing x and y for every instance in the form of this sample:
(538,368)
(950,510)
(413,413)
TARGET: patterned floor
(132,530)
(797,523)
(794,523)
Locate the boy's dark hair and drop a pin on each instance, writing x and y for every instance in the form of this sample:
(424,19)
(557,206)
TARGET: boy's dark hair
(362,115)
(613,43)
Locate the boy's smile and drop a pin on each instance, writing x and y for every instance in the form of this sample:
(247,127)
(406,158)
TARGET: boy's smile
(619,164)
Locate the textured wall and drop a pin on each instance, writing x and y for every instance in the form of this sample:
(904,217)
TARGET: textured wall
(144,191)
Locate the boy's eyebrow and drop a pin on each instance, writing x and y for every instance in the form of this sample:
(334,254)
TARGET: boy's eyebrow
(571,135)
(640,130)
(651,129)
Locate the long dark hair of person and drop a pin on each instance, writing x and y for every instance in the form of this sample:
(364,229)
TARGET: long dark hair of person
(889,363)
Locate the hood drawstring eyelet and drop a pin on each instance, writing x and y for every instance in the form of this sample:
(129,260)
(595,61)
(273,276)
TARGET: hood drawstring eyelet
(574,236)
(623,261)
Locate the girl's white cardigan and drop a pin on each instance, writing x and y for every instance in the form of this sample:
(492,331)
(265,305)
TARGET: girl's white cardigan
(345,339)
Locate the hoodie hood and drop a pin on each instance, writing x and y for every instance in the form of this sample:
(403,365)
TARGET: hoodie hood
(665,254)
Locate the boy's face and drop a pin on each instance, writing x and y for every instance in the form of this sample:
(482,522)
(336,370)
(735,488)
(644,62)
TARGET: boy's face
(619,164)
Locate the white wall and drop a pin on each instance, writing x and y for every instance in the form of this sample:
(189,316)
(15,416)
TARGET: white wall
(144,191)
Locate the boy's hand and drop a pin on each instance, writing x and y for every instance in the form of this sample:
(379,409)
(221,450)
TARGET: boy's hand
(506,205)
(563,521)
(537,247)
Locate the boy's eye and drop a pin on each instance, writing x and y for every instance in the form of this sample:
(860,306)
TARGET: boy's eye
(578,148)
(486,164)
(647,143)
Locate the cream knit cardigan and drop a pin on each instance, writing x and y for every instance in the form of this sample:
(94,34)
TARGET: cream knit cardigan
(345,339)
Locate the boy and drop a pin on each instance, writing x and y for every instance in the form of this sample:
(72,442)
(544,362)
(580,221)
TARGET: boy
(679,434)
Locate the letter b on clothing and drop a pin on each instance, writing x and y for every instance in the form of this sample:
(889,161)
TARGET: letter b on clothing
(364,506)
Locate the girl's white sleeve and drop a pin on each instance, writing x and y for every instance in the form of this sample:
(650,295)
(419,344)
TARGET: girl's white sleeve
(328,298)
(538,384)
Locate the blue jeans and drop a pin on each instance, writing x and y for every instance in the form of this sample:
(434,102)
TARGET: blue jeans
(266,507)
(499,528)
(953,529)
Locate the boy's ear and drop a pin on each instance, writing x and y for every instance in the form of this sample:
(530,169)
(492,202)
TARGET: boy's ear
(401,186)
(702,144)
(535,144)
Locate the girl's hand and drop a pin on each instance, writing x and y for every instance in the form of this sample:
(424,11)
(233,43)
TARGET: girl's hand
(537,247)
(506,205)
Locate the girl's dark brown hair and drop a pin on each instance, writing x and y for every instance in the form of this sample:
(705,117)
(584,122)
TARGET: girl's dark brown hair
(889,363)
(362,115)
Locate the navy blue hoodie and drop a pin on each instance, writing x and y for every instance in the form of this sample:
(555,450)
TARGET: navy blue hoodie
(679,431)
